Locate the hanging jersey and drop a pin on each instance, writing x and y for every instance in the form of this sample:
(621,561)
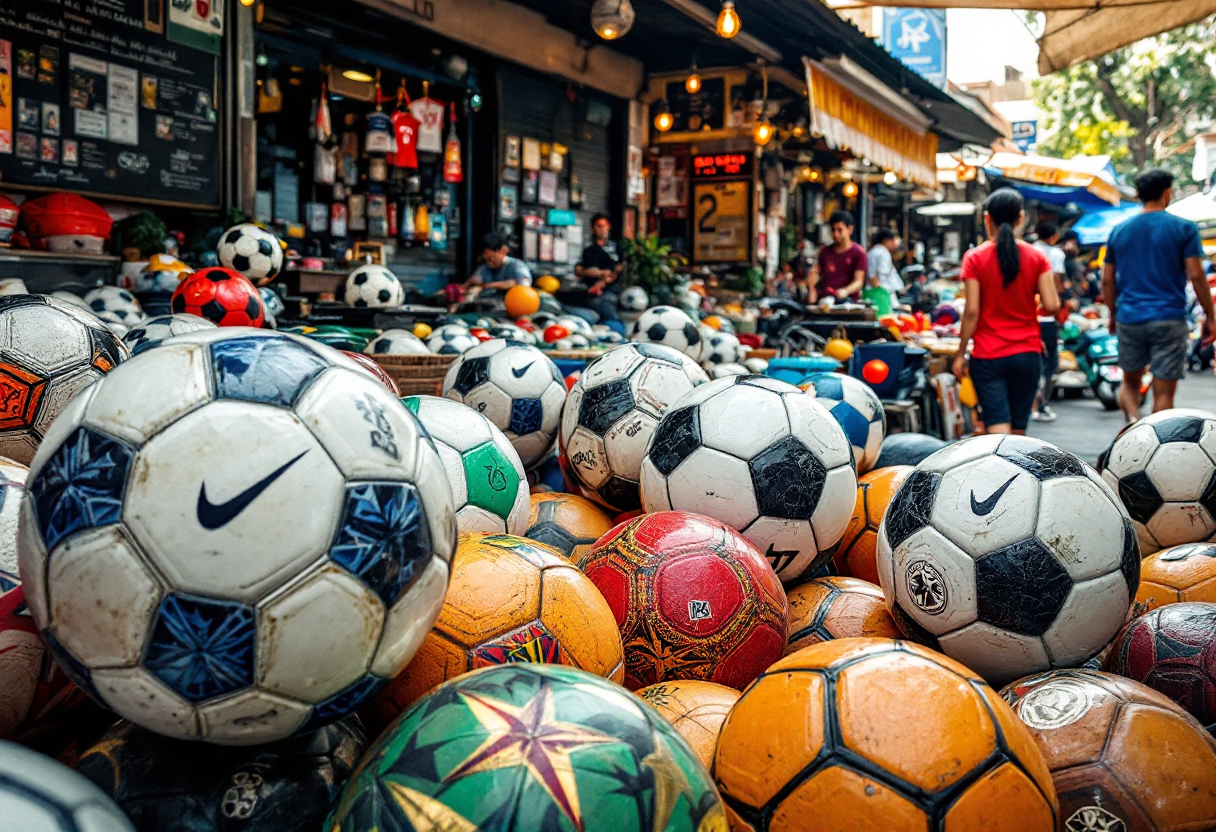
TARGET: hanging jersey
(405,128)
(379,133)
(429,113)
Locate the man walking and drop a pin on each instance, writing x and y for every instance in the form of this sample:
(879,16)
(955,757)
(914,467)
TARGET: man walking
(880,264)
(1149,260)
(1049,234)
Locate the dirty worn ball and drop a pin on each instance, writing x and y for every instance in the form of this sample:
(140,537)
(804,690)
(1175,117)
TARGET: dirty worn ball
(1180,573)
(827,608)
(569,523)
(859,547)
(697,710)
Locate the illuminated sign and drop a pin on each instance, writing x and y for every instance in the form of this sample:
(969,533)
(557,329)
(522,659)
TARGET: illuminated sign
(721,165)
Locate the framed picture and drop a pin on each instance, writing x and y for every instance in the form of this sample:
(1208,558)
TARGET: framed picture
(511,155)
(531,243)
(547,192)
(375,251)
(531,158)
(510,176)
(531,186)
(563,198)
(508,202)
(546,248)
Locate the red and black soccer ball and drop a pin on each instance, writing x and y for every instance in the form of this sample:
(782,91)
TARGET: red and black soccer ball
(220,295)
(1172,650)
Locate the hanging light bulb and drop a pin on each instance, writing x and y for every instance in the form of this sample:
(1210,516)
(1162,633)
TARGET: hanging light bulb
(889,178)
(762,133)
(814,175)
(728,20)
(663,119)
(850,189)
(804,173)
(693,82)
(612,18)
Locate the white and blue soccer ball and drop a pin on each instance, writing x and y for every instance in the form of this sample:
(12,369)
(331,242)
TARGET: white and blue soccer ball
(371,285)
(272,302)
(1008,555)
(121,304)
(517,388)
(151,332)
(252,251)
(451,339)
(41,793)
(606,335)
(761,456)
(670,327)
(144,550)
(634,299)
(857,408)
(397,342)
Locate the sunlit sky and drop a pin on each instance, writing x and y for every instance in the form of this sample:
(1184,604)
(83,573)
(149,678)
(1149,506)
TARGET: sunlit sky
(980,42)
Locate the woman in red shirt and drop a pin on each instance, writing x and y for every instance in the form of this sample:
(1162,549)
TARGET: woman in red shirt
(1003,279)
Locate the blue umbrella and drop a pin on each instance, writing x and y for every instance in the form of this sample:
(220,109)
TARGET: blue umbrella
(1095,226)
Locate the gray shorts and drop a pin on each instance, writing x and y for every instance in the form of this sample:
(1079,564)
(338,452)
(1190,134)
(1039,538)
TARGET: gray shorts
(1158,345)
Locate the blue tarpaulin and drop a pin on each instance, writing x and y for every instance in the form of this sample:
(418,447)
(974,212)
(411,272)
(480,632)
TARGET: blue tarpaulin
(1058,195)
(1095,226)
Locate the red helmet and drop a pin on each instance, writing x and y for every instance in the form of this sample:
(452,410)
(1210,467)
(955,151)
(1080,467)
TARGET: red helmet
(65,215)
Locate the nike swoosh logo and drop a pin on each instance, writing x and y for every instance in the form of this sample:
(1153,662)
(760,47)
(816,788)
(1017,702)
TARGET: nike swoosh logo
(985,508)
(212,516)
(520,372)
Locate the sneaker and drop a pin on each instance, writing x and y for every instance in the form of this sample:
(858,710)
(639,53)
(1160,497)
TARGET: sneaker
(1045,414)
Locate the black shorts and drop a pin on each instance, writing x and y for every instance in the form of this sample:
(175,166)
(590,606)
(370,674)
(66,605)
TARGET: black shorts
(1006,387)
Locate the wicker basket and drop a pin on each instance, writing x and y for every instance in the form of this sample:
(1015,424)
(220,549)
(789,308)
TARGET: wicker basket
(416,374)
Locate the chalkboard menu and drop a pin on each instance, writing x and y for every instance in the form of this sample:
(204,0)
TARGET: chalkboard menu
(700,111)
(95,99)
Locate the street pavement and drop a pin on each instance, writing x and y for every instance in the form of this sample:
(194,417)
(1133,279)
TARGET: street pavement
(1086,429)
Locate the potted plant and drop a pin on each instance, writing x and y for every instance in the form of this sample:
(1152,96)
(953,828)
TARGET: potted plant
(652,265)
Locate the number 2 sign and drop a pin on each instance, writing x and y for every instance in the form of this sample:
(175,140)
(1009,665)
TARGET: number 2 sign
(722,222)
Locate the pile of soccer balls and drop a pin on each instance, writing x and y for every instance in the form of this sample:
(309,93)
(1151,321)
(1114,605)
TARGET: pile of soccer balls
(243,585)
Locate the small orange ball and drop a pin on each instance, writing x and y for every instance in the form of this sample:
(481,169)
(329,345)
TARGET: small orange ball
(697,710)
(568,523)
(522,300)
(1181,573)
(828,608)
(875,371)
(859,546)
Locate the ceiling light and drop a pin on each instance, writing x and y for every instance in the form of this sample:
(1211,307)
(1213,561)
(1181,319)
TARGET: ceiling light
(728,20)
(762,133)
(850,189)
(889,178)
(693,83)
(664,120)
(357,75)
(611,18)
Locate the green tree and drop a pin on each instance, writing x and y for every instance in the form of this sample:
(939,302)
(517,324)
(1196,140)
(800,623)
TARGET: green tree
(1143,104)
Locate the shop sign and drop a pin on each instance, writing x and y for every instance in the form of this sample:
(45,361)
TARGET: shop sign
(721,222)
(721,165)
(697,112)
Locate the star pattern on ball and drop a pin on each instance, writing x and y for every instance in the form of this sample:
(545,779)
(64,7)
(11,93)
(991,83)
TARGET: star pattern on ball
(202,647)
(670,781)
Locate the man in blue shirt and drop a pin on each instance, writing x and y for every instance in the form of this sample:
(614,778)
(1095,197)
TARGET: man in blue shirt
(1149,260)
(498,270)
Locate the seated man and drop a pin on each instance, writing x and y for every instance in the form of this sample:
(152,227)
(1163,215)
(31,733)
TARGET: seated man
(498,270)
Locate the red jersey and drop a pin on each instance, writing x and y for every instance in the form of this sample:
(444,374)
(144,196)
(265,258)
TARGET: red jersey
(405,131)
(1009,323)
(837,268)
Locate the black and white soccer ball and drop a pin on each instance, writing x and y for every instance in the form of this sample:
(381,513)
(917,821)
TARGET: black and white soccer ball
(517,388)
(634,299)
(114,323)
(761,456)
(151,332)
(574,324)
(251,250)
(373,285)
(40,793)
(722,348)
(613,410)
(1164,470)
(69,297)
(511,332)
(121,304)
(574,341)
(1008,555)
(606,335)
(451,339)
(670,327)
(397,342)
(756,365)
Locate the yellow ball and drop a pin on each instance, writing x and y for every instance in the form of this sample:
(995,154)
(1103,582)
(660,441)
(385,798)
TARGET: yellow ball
(712,321)
(422,330)
(839,349)
(548,283)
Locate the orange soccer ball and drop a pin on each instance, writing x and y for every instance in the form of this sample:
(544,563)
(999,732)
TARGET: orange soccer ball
(521,301)
(823,609)
(509,600)
(568,523)
(875,734)
(697,710)
(859,546)
(1180,573)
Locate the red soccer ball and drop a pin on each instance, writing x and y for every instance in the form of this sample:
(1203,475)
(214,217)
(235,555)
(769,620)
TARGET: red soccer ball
(220,295)
(1172,650)
(692,597)
(373,369)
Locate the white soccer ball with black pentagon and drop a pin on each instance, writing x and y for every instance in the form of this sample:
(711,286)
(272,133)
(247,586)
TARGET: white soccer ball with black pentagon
(517,388)
(252,251)
(41,794)
(451,339)
(721,348)
(1164,470)
(574,341)
(49,352)
(727,370)
(511,332)
(613,410)
(761,456)
(118,302)
(1008,555)
(489,485)
(670,327)
(634,299)
(247,549)
(371,285)
(151,332)
(857,408)
(397,342)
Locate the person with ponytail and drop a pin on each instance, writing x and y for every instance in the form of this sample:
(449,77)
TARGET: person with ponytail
(1007,281)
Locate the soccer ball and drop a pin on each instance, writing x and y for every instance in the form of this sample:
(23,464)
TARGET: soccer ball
(37,792)
(70,297)
(489,486)
(451,339)
(721,348)
(761,456)
(756,365)
(397,342)
(272,302)
(252,251)
(49,352)
(113,322)
(634,299)
(144,547)
(511,332)
(879,734)
(832,607)
(574,324)
(612,412)
(162,274)
(1009,555)
(220,295)
(517,388)
(117,301)
(568,523)
(1181,573)
(670,327)
(857,408)
(697,710)
(374,370)
(1162,468)
(727,370)
(858,551)
(372,285)
(151,332)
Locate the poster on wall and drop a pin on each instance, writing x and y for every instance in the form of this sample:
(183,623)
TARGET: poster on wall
(6,96)
(721,224)
(197,23)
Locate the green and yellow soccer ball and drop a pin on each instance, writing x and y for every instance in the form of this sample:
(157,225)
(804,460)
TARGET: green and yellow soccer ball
(489,486)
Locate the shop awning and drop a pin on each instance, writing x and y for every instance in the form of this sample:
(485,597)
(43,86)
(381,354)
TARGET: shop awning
(1200,208)
(1095,226)
(948,209)
(1058,173)
(842,112)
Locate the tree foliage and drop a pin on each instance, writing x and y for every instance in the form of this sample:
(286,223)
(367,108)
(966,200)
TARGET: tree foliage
(1143,104)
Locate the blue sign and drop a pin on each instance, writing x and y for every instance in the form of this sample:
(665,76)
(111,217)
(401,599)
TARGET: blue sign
(917,37)
(1025,134)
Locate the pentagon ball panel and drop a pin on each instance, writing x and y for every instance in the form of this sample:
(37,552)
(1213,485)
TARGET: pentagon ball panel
(252,251)
(941,753)
(153,520)
(38,793)
(858,550)
(828,608)
(566,522)
(220,295)
(858,410)
(692,597)
(371,285)
(1122,756)
(697,710)
(670,327)
(1181,573)
(550,748)
(1009,555)
(451,339)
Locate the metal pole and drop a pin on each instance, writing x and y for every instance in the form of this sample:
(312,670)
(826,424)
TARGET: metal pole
(865,214)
